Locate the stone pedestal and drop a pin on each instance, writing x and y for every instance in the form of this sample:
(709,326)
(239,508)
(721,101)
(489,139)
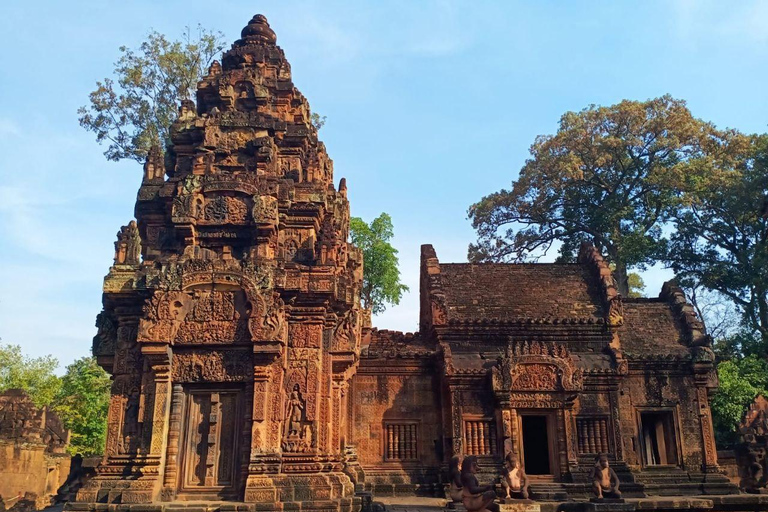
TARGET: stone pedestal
(510,505)
(609,505)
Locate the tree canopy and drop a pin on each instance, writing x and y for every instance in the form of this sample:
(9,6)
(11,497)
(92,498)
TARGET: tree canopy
(35,375)
(381,276)
(133,110)
(608,176)
(82,403)
(720,240)
(741,380)
(80,397)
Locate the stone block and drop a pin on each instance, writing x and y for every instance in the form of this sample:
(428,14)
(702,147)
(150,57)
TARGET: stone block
(510,505)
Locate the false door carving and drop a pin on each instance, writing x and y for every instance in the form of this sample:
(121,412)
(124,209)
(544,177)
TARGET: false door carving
(210,451)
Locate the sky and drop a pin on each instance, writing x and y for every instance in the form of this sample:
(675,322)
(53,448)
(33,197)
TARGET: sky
(430,106)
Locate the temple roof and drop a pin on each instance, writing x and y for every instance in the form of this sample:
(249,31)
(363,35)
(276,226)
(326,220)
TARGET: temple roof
(651,328)
(509,291)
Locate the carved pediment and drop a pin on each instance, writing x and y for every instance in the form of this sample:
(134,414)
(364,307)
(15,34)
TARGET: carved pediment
(196,317)
(536,366)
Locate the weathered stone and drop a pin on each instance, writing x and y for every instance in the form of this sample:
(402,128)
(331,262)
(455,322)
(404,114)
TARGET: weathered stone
(33,459)
(231,320)
(547,362)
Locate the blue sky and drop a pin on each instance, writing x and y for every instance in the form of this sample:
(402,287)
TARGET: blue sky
(430,106)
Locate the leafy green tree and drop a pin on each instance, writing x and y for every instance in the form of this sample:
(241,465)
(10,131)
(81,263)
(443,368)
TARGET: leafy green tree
(82,404)
(381,276)
(133,110)
(721,236)
(608,176)
(35,375)
(636,285)
(741,380)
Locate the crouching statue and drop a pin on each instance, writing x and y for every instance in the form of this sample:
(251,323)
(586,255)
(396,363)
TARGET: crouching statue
(513,478)
(476,498)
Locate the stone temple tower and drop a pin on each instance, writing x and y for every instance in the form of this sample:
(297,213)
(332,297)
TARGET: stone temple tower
(231,322)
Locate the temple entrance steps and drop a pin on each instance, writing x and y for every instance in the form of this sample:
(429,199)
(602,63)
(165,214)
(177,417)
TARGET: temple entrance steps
(668,481)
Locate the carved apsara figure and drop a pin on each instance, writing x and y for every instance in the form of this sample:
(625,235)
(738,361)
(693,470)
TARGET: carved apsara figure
(476,497)
(605,482)
(513,478)
(295,412)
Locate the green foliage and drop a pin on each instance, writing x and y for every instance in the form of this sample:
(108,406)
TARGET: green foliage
(317,120)
(636,285)
(608,176)
(82,404)
(721,236)
(134,110)
(35,375)
(741,380)
(381,276)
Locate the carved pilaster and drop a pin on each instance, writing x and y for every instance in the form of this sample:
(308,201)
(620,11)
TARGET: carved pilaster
(618,439)
(174,432)
(709,455)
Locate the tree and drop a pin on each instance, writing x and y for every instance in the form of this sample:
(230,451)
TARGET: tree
(318,121)
(134,110)
(636,285)
(741,380)
(381,276)
(82,404)
(720,240)
(608,176)
(35,375)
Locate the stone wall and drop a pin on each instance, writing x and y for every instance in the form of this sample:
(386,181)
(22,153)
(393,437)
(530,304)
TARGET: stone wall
(33,458)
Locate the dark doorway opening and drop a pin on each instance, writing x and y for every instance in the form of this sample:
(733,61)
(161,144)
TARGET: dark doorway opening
(658,431)
(536,445)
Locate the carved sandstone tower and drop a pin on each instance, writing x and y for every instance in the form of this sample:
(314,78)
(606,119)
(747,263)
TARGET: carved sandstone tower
(233,339)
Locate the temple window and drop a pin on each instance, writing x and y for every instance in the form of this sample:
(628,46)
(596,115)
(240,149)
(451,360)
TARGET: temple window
(401,441)
(592,434)
(657,432)
(480,437)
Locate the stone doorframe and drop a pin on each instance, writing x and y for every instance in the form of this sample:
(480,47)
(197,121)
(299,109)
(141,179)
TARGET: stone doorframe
(558,407)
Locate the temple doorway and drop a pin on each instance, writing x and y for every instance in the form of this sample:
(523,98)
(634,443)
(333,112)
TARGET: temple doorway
(658,438)
(537,444)
(209,453)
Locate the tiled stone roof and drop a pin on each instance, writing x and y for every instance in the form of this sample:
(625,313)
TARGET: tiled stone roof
(511,291)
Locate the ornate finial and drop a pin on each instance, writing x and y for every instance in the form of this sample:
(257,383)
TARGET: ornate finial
(215,69)
(128,245)
(343,187)
(258,31)
(154,166)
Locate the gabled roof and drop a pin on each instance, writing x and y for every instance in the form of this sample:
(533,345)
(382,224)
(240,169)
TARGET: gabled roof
(514,291)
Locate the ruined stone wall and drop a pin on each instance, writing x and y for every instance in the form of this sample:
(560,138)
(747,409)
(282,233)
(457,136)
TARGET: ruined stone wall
(33,458)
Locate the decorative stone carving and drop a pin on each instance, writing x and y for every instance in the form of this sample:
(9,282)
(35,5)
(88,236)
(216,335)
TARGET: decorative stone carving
(536,366)
(105,341)
(752,451)
(128,245)
(195,317)
(212,366)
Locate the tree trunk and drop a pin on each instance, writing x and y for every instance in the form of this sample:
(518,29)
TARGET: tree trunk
(622,278)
